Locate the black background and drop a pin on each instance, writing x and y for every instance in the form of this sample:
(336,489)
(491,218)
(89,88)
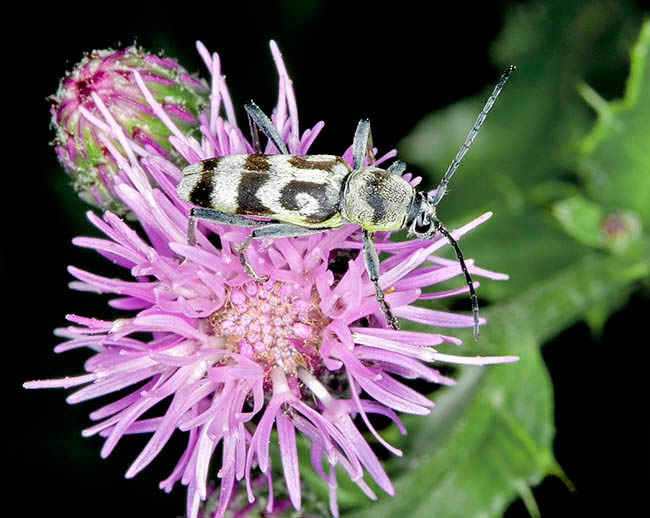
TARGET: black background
(348,60)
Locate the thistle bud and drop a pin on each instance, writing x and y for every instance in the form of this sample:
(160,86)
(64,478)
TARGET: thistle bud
(108,74)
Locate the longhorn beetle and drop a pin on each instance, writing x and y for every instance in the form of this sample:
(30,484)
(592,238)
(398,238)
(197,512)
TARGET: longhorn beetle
(308,194)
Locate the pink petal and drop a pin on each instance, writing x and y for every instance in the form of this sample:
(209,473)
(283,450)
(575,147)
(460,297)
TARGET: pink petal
(289,453)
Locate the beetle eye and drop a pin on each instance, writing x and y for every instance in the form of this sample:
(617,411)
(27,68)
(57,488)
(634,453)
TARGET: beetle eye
(422,225)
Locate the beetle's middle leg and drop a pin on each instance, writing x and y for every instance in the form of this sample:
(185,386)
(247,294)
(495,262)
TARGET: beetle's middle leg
(271,230)
(371,260)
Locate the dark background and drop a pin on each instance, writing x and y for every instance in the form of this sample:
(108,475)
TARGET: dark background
(348,60)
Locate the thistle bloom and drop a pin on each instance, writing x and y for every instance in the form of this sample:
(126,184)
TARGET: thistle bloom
(232,359)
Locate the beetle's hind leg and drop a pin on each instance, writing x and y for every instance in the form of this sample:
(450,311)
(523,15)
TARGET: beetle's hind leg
(258,119)
(225,218)
(371,260)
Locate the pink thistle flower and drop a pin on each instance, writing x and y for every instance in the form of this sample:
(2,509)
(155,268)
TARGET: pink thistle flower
(233,359)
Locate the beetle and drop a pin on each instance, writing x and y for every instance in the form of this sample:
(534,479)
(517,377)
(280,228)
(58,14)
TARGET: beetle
(307,194)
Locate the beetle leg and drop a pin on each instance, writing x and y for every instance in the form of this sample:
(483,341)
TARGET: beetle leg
(255,135)
(397,168)
(217,216)
(371,261)
(241,250)
(258,118)
(362,144)
(271,230)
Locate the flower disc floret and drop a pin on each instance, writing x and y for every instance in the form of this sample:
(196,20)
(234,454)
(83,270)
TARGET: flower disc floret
(270,325)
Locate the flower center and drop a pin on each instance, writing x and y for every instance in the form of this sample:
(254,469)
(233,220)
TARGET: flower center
(272,325)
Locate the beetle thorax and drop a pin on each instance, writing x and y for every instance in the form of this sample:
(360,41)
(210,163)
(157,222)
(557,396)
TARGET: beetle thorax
(376,199)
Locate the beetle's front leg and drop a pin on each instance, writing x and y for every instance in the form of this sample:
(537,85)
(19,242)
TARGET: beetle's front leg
(371,261)
(362,145)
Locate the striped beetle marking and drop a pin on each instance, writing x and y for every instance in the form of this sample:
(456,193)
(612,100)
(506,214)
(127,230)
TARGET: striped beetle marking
(308,194)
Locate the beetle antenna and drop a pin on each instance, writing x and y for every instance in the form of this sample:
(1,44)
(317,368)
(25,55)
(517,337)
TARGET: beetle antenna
(442,188)
(463,267)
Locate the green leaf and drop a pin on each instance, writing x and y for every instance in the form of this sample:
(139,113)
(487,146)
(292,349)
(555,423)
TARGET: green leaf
(588,223)
(581,219)
(615,159)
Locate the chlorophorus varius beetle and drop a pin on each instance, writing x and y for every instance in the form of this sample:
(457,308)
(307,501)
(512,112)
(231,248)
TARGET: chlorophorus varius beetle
(308,194)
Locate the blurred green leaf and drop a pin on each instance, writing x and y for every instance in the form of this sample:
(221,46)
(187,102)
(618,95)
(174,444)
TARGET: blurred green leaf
(614,156)
(581,219)
(589,224)
(523,160)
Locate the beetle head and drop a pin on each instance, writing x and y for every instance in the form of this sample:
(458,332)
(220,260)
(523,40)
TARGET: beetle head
(423,222)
